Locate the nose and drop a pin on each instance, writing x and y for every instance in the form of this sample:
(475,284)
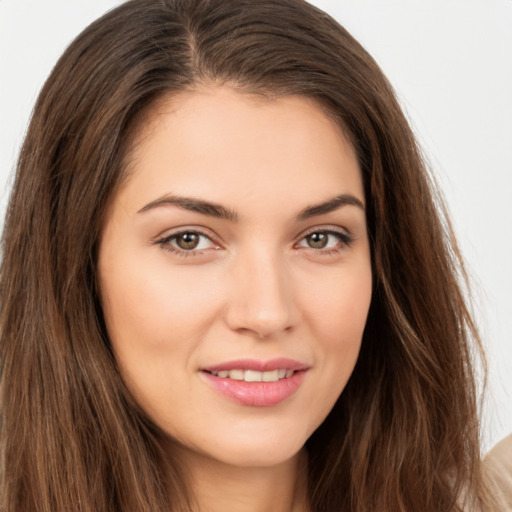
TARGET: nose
(262,301)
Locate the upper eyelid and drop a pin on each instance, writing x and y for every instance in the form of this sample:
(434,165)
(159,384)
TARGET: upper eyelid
(345,238)
(166,235)
(166,243)
(203,231)
(324,229)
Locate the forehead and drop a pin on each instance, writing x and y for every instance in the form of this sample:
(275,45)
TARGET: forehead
(227,146)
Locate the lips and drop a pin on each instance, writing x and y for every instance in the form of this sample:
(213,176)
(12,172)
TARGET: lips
(256,383)
(253,375)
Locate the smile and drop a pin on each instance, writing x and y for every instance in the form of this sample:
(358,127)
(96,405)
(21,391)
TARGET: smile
(255,376)
(256,383)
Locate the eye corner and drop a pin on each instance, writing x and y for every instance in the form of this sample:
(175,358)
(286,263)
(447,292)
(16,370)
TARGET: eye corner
(325,243)
(194,242)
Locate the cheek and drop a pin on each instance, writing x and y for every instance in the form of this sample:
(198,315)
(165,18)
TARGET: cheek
(153,305)
(156,319)
(338,305)
(337,310)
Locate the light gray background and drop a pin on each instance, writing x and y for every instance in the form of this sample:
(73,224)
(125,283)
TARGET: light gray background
(451,63)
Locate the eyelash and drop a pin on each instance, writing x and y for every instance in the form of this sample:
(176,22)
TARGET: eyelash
(165,243)
(344,240)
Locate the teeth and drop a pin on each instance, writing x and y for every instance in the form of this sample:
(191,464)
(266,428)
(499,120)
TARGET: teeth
(236,374)
(272,376)
(254,376)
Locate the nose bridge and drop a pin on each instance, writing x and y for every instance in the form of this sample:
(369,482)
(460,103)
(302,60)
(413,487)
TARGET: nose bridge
(262,299)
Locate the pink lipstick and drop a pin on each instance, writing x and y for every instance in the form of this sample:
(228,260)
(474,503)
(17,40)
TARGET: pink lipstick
(256,383)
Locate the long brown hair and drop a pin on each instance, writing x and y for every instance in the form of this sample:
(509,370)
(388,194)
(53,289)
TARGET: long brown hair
(403,435)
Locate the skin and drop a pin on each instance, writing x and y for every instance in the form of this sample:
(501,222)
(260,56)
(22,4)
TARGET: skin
(254,288)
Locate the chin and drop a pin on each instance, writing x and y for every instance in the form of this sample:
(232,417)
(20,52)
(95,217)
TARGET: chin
(248,447)
(259,454)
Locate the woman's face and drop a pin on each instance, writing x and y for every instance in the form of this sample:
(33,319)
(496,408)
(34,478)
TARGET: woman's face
(235,275)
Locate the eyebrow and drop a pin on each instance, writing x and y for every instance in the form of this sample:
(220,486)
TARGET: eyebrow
(216,210)
(330,205)
(194,205)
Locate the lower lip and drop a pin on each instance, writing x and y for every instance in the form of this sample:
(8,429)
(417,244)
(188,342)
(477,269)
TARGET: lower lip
(257,394)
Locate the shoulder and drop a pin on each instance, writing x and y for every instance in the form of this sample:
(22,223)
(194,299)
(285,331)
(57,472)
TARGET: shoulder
(498,465)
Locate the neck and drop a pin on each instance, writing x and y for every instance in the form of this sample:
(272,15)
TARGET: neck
(220,487)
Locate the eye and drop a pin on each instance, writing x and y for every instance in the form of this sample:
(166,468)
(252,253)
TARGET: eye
(320,240)
(325,240)
(187,242)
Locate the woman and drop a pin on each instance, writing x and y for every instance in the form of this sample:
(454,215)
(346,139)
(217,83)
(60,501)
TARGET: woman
(226,283)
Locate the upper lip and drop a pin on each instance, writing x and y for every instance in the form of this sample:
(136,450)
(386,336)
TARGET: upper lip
(257,365)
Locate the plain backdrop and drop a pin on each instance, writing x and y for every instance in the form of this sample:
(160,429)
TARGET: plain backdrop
(451,64)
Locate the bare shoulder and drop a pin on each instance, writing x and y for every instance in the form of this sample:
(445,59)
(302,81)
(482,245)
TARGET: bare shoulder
(498,463)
